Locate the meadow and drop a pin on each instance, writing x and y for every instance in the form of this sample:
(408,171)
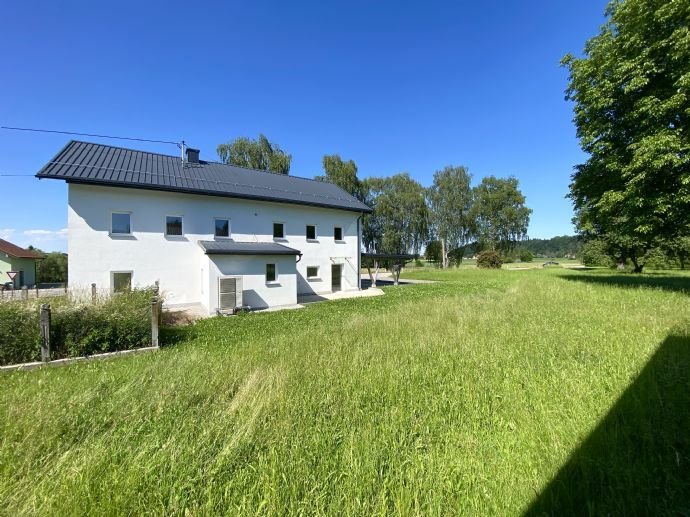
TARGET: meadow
(489,392)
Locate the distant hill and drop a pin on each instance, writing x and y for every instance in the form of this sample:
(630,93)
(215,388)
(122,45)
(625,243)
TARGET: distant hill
(562,246)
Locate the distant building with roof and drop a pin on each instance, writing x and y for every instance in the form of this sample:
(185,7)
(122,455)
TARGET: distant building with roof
(17,265)
(213,234)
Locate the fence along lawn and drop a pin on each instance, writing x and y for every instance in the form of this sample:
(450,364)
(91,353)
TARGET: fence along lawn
(488,393)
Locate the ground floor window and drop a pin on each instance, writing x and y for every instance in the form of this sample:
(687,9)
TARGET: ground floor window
(271,273)
(312,272)
(121,281)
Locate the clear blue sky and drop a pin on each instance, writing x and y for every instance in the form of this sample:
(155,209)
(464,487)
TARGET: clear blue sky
(396,86)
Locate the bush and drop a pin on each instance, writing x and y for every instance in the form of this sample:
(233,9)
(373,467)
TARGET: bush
(526,255)
(20,338)
(595,254)
(656,258)
(122,322)
(489,259)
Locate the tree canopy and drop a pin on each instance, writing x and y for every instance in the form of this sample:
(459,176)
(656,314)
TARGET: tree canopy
(632,107)
(343,174)
(500,214)
(399,223)
(255,154)
(450,202)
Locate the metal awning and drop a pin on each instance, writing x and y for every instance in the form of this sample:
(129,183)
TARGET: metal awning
(246,248)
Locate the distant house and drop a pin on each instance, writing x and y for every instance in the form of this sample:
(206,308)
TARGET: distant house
(19,263)
(213,234)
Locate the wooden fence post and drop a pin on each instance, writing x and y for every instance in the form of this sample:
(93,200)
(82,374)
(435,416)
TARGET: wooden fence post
(155,308)
(45,332)
(93,293)
(25,293)
(36,286)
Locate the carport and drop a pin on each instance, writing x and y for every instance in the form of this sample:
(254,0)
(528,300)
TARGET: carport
(392,261)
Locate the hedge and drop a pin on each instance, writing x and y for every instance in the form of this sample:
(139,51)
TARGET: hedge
(121,322)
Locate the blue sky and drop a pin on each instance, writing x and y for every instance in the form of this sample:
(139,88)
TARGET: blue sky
(396,86)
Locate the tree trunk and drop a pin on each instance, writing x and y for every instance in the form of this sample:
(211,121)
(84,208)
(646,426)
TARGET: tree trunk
(444,254)
(637,266)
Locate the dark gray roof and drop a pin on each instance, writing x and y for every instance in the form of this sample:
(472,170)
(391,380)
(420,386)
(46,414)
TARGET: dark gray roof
(98,164)
(246,248)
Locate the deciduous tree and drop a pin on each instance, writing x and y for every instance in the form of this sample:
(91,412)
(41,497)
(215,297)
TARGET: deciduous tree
(343,174)
(255,154)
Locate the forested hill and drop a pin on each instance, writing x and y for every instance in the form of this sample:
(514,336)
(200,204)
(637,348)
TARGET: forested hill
(561,246)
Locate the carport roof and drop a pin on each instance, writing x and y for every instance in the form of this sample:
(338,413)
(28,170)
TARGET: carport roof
(246,248)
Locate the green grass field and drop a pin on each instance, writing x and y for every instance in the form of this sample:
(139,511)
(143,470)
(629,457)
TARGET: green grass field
(489,392)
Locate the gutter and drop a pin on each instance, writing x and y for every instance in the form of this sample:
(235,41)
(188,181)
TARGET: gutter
(359,251)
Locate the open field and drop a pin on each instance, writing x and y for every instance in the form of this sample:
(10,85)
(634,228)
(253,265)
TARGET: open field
(490,392)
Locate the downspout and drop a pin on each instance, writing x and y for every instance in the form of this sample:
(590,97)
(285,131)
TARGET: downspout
(359,252)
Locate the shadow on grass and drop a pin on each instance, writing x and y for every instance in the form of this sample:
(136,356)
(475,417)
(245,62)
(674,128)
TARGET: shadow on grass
(637,460)
(630,280)
(172,336)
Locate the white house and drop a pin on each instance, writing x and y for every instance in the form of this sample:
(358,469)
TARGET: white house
(211,234)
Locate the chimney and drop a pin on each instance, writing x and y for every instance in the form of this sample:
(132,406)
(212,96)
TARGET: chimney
(192,155)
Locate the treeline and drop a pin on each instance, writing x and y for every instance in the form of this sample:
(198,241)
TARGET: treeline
(563,246)
(408,216)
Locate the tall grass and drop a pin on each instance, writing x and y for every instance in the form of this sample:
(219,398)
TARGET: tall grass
(465,396)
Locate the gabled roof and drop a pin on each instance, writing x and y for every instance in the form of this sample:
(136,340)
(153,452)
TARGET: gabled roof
(246,248)
(15,251)
(98,164)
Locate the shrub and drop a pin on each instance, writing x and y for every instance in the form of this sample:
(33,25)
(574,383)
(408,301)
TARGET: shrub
(526,255)
(20,337)
(489,259)
(595,254)
(656,258)
(122,322)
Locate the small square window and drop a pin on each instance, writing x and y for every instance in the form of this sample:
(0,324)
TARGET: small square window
(120,224)
(122,282)
(338,233)
(278,231)
(312,272)
(173,225)
(222,228)
(311,232)
(271,274)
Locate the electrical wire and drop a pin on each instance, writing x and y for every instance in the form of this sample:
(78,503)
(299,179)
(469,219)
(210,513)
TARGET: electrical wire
(91,134)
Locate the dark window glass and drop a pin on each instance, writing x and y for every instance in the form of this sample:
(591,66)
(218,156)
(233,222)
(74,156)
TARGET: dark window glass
(338,233)
(270,272)
(222,228)
(278,231)
(120,224)
(311,232)
(312,271)
(173,225)
(122,282)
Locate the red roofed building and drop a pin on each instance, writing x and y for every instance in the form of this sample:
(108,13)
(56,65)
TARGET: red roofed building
(14,259)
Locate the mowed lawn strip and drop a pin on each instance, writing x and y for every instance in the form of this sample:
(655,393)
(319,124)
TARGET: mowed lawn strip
(468,395)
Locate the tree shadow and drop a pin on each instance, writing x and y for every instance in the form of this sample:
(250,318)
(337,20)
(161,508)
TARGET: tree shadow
(662,281)
(637,460)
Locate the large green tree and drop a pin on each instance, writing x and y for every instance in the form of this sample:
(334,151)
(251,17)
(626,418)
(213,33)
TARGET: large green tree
(400,219)
(500,213)
(632,107)
(450,201)
(257,154)
(342,173)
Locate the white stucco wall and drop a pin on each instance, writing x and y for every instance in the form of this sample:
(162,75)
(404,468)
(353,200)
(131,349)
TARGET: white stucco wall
(184,271)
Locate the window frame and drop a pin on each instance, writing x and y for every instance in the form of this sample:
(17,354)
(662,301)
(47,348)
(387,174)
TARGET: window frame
(215,221)
(120,234)
(165,227)
(282,238)
(342,234)
(317,276)
(129,272)
(275,273)
(315,238)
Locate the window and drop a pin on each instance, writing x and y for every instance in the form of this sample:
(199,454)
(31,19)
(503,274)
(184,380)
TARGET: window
(312,272)
(122,281)
(278,231)
(271,273)
(338,233)
(173,225)
(120,223)
(222,228)
(311,232)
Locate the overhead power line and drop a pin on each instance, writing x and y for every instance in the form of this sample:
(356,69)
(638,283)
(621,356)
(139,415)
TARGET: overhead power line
(92,135)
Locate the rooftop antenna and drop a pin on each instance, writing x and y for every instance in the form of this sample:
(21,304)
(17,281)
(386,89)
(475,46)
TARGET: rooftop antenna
(181,146)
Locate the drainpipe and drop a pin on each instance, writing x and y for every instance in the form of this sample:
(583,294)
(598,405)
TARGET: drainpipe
(359,252)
